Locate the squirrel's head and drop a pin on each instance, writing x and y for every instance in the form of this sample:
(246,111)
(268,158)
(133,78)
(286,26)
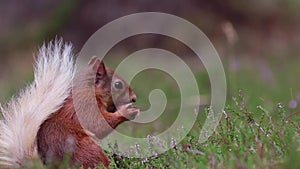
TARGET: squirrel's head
(111,90)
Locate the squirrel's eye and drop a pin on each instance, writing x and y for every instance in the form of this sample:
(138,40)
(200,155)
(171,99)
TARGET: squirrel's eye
(118,85)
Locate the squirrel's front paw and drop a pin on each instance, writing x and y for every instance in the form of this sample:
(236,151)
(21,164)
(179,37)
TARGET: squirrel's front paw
(128,111)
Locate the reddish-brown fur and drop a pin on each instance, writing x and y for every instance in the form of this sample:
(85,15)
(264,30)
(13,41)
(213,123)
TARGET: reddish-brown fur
(62,136)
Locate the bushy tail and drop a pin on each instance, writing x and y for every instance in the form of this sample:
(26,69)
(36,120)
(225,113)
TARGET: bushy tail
(22,116)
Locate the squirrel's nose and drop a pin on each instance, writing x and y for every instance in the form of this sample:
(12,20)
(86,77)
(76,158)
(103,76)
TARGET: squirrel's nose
(133,99)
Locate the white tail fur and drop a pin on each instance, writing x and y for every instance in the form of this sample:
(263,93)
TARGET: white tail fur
(22,116)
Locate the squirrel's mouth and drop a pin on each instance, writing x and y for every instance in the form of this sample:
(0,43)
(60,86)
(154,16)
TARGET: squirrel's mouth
(112,108)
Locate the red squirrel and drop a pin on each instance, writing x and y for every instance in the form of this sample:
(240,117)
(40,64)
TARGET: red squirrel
(42,120)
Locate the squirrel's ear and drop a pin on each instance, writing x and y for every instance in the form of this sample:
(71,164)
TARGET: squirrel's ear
(98,68)
(97,65)
(101,71)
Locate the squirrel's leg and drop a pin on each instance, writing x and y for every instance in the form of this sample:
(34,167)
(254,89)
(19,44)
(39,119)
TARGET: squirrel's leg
(90,155)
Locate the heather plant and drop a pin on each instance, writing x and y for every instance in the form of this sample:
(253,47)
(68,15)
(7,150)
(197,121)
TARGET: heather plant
(243,139)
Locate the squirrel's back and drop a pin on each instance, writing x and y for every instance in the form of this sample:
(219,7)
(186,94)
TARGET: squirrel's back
(23,115)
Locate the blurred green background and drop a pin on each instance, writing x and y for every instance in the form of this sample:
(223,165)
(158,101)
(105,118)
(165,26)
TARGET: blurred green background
(258,41)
